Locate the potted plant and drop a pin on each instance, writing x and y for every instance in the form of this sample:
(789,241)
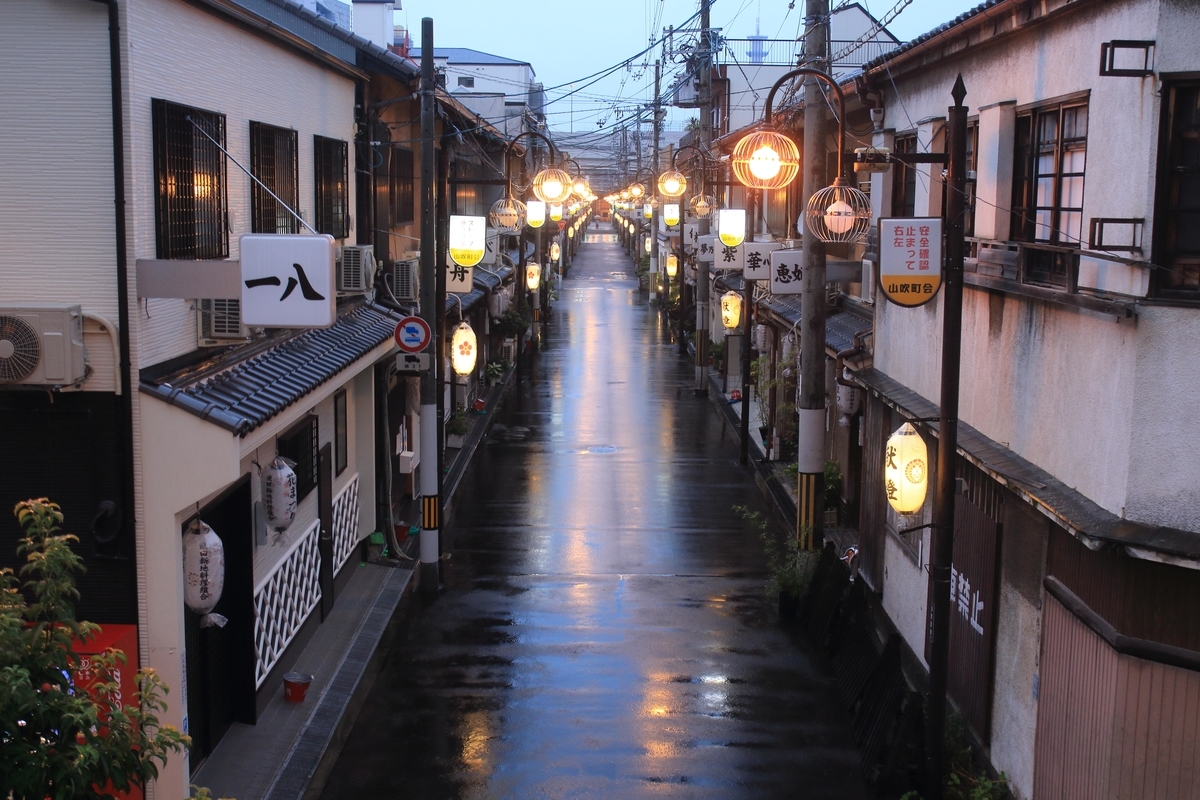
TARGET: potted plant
(716,354)
(790,565)
(494,370)
(833,492)
(456,430)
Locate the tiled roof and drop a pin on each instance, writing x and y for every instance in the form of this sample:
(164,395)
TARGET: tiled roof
(247,394)
(840,327)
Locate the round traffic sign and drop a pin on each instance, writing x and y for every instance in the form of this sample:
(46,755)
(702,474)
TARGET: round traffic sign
(413,334)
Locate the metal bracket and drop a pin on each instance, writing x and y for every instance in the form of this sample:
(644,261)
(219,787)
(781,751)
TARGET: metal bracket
(1108,58)
(914,530)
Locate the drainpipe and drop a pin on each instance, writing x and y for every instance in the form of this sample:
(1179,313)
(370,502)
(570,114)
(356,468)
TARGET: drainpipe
(364,181)
(125,379)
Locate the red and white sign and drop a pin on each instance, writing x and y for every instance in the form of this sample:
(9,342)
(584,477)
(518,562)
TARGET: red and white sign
(910,259)
(413,334)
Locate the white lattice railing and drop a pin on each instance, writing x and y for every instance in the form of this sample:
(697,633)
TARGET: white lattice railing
(283,599)
(345,523)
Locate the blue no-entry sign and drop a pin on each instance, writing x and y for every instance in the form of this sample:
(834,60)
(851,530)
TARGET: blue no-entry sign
(412,334)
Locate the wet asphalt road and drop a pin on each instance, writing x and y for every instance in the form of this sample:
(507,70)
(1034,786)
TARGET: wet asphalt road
(603,631)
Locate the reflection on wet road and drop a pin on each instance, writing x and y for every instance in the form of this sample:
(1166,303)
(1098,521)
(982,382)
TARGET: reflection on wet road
(603,631)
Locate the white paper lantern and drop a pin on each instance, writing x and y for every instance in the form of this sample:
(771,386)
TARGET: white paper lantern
(849,399)
(279,494)
(906,470)
(203,573)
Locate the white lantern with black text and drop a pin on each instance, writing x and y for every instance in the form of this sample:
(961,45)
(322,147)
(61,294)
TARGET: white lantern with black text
(279,494)
(906,470)
(203,573)
(463,349)
(731,310)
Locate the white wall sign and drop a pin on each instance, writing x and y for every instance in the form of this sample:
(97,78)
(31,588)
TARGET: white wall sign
(459,278)
(706,248)
(910,259)
(787,272)
(757,256)
(287,281)
(691,235)
(727,257)
(492,246)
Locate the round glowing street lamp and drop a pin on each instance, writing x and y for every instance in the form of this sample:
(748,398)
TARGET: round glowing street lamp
(766,159)
(672,183)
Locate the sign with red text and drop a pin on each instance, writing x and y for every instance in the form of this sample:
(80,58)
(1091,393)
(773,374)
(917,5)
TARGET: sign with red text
(910,259)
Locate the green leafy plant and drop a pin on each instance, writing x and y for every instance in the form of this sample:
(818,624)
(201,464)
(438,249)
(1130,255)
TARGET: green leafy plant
(785,408)
(833,484)
(59,739)
(513,322)
(457,424)
(791,566)
(966,778)
(717,351)
(495,369)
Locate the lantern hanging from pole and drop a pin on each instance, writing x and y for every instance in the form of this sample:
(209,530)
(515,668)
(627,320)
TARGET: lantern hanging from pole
(533,276)
(580,187)
(731,226)
(555,250)
(906,470)
(279,494)
(671,213)
(468,239)
(507,215)
(463,349)
(672,265)
(556,212)
(672,183)
(636,191)
(535,213)
(203,573)
(702,205)
(839,213)
(731,310)
(552,185)
(766,159)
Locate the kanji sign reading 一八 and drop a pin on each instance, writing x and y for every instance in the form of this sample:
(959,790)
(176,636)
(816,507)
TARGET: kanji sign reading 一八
(910,259)
(287,281)
(757,259)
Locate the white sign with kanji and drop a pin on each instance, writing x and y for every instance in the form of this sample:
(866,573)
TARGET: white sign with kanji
(965,600)
(691,235)
(706,248)
(757,257)
(288,280)
(910,259)
(491,246)
(787,272)
(727,257)
(458,278)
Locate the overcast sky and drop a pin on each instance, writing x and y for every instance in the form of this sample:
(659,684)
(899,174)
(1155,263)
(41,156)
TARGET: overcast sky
(566,43)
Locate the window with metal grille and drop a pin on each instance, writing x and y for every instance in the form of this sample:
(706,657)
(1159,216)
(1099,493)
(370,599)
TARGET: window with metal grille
(341,449)
(273,161)
(400,183)
(1177,227)
(1048,171)
(332,186)
(190,208)
(904,179)
(301,445)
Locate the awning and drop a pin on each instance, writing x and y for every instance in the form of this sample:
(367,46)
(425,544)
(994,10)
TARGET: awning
(1082,517)
(242,396)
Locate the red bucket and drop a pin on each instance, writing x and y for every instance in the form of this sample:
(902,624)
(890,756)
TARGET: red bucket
(295,686)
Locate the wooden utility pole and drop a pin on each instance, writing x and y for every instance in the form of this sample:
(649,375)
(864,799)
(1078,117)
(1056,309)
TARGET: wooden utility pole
(652,189)
(703,227)
(431,476)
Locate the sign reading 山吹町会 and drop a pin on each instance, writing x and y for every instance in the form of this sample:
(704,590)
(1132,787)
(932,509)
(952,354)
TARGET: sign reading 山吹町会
(910,259)
(287,281)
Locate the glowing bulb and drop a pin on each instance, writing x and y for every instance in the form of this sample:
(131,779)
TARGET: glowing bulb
(764,163)
(649,244)
(839,217)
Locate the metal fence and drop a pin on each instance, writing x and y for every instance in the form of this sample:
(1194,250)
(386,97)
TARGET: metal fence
(788,52)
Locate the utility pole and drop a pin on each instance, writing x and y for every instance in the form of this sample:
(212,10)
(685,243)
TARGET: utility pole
(942,547)
(652,189)
(810,490)
(747,306)
(703,225)
(431,476)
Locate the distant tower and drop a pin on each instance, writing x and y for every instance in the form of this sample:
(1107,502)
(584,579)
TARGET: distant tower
(758,51)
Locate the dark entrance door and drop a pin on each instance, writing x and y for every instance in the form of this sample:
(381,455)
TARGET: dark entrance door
(220,661)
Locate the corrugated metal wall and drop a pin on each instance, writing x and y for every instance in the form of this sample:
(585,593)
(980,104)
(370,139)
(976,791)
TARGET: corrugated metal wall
(1112,727)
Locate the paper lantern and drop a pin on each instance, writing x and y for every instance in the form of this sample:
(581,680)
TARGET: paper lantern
(672,265)
(906,470)
(731,226)
(731,310)
(533,276)
(279,494)
(555,250)
(468,239)
(463,349)
(203,573)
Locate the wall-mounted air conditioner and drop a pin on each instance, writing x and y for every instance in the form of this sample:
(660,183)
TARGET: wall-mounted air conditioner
(219,322)
(355,269)
(406,280)
(42,346)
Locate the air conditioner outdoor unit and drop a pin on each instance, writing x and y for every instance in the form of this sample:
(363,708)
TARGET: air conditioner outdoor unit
(406,280)
(42,346)
(220,322)
(356,269)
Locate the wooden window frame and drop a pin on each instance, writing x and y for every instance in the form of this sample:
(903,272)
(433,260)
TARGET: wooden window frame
(274,161)
(301,444)
(401,186)
(904,178)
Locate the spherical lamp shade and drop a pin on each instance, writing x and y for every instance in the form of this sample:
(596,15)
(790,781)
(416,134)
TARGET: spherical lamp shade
(672,265)
(731,226)
(731,310)
(766,160)
(463,350)
(552,185)
(906,470)
(637,190)
(839,213)
(533,276)
(535,211)
(556,211)
(555,251)
(507,215)
(672,183)
(671,213)
(625,194)
(580,187)
(702,205)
